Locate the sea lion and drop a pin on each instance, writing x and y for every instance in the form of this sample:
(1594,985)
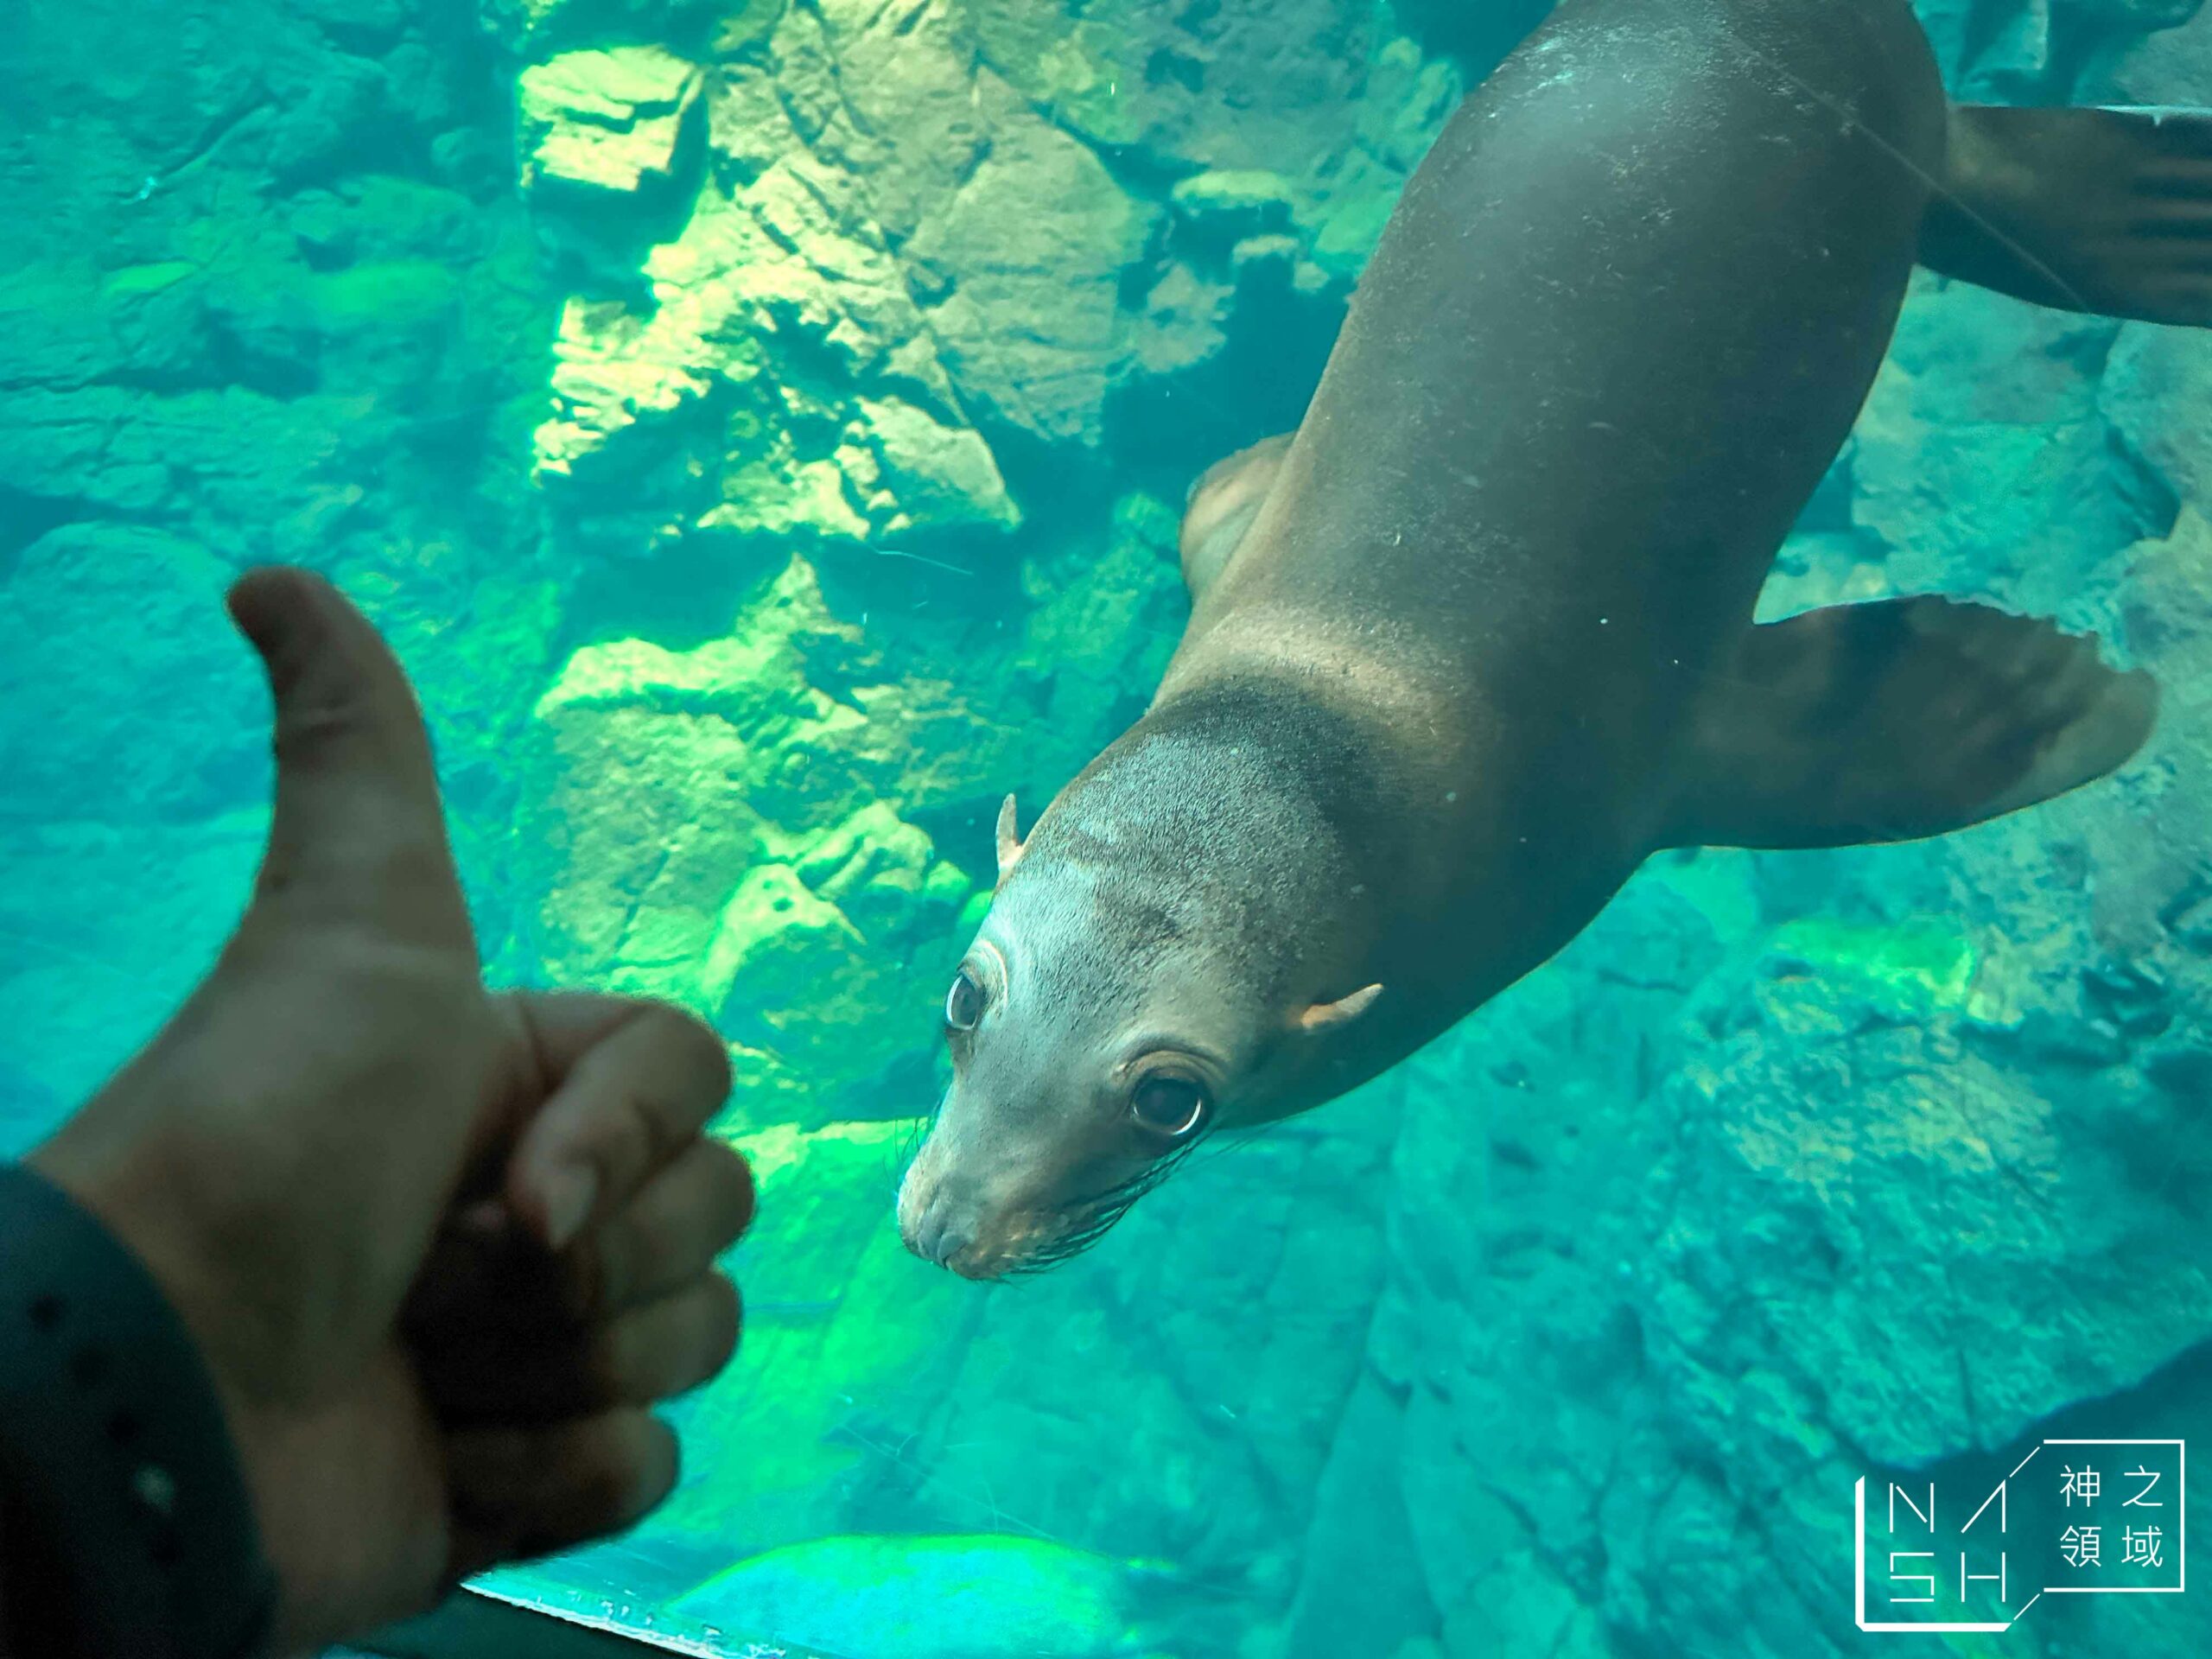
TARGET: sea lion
(1478,639)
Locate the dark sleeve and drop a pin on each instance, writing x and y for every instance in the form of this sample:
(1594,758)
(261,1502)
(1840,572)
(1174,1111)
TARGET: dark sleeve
(125,1525)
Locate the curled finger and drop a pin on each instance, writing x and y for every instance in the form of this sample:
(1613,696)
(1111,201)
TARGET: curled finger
(522,1491)
(669,1234)
(633,1084)
(486,1275)
(498,1374)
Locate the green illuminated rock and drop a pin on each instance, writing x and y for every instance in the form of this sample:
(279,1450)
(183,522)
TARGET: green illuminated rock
(774,1455)
(718,836)
(606,119)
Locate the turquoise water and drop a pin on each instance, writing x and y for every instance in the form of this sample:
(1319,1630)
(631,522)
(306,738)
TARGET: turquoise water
(762,430)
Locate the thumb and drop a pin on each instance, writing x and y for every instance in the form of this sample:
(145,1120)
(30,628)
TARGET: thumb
(357,835)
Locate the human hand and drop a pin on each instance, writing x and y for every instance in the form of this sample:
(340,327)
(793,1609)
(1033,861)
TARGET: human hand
(341,1123)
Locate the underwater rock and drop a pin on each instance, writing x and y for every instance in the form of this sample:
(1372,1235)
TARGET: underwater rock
(1480,37)
(528,28)
(28,1110)
(1979,388)
(1033,248)
(785,385)
(2172,67)
(733,825)
(1889,1171)
(932,475)
(2151,390)
(85,982)
(606,119)
(884,97)
(771,1454)
(720,832)
(1234,205)
(1273,84)
(183,742)
(979,1597)
(277,302)
(852,911)
(952,143)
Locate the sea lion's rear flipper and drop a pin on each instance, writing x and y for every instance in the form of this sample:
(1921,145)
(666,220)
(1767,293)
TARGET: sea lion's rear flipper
(1901,719)
(2107,211)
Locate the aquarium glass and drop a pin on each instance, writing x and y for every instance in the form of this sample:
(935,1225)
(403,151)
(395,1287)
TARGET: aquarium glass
(763,428)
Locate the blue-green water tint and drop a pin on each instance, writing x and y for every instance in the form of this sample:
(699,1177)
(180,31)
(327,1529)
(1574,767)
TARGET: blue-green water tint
(885,342)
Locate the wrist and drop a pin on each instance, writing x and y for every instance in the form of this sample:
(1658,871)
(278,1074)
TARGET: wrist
(118,1444)
(288,1505)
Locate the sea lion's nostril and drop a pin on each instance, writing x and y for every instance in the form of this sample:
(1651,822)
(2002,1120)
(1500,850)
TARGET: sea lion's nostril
(948,1243)
(937,1238)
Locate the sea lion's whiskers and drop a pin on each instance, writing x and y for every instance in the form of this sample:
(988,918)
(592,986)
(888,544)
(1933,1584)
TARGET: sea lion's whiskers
(1101,1212)
(909,1144)
(1227,1141)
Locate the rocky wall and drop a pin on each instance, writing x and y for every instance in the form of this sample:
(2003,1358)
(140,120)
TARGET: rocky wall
(265,293)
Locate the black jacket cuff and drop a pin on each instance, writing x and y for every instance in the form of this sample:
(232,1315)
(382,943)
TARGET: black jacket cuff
(125,1525)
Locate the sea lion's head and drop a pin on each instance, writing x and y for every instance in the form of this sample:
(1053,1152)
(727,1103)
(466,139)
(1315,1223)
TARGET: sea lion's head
(1114,1011)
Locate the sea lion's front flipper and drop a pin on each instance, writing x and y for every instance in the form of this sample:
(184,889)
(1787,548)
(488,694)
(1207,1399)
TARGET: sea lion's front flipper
(2107,211)
(1900,719)
(1223,503)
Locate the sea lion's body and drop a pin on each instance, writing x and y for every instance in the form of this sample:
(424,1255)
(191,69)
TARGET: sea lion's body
(1480,639)
(1530,510)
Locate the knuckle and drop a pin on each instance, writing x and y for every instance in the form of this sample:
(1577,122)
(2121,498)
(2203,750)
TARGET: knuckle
(730,1324)
(720,1195)
(701,1044)
(605,1492)
(612,1368)
(654,1250)
(736,1197)
(647,1139)
(310,728)
(592,1274)
(714,1334)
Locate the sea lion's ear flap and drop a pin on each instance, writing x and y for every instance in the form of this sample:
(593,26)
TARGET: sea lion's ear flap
(1328,1016)
(1009,844)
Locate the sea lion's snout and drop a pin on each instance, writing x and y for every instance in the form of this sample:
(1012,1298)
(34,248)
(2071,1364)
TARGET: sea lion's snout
(994,1191)
(939,1236)
(939,1220)
(954,1222)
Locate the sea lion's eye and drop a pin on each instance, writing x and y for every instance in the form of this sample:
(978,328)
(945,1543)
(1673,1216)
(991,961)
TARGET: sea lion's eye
(1168,1105)
(964,1003)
